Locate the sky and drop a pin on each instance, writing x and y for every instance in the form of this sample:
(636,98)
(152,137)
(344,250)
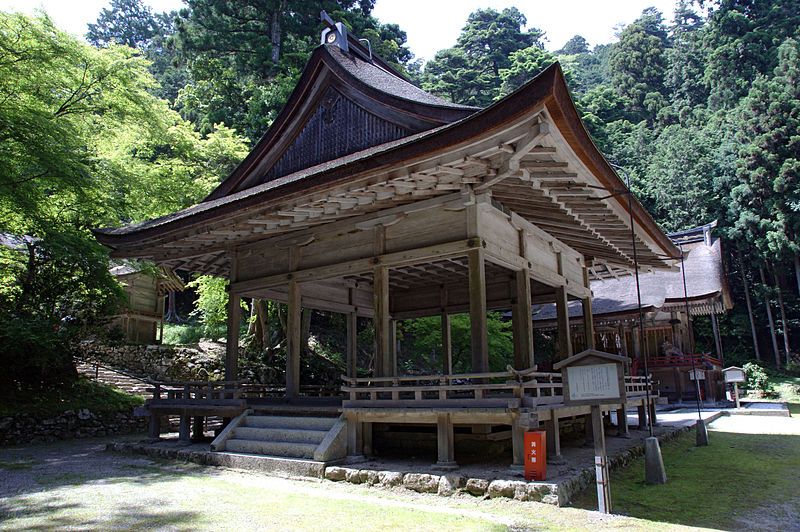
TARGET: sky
(431,25)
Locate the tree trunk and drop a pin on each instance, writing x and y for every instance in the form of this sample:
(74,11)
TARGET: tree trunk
(772,335)
(784,323)
(797,271)
(749,307)
(275,33)
(172,312)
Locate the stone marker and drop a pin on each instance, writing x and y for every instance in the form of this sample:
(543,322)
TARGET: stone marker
(702,434)
(654,472)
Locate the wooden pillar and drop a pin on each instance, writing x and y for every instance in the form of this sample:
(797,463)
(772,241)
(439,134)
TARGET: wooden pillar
(564,343)
(444,442)
(352,344)
(623,340)
(588,322)
(293,334)
(553,435)
(154,426)
(447,345)
(517,441)
(637,344)
(523,324)
(354,436)
(183,429)
(380,288)
(197,428)
(717,337)
(622,423)
(642,415)
(366,439)
(477,312)
(232,343)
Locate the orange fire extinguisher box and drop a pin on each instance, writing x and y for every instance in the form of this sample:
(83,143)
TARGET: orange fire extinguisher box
(535,455)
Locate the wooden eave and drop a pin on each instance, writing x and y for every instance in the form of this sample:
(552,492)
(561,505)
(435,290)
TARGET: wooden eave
(469,154)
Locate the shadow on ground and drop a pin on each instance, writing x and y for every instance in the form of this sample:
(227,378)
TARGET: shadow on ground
(714,486)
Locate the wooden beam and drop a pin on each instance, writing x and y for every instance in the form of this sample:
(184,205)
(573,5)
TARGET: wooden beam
(380,289)
(523,325)
(477,312)
(562,318)
(329,271)
(293,333)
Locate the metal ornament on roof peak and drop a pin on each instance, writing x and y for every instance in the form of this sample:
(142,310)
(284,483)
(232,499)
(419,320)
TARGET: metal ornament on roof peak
(335,33)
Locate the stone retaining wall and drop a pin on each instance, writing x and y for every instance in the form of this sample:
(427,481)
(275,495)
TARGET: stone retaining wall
(161,362)
(72,424)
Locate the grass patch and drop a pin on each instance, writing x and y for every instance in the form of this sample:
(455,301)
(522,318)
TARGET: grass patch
(709,486)
(83,393)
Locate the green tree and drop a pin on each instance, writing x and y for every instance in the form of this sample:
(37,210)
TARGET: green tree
(638,64)
(576,45)
(525,65)
(132,23)
(469,73)
(741,43)
(245,57)
(766,199)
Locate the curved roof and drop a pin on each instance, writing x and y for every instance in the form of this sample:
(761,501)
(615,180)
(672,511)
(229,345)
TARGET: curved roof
(561,186)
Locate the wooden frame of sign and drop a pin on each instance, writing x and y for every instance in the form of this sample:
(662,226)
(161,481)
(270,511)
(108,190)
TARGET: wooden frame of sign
(592,378)
(733,374)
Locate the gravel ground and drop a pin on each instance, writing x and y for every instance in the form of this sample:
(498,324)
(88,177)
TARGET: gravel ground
(77,484)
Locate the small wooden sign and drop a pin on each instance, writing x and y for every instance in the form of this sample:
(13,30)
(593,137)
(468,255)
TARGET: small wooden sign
(592,377)
(734,374)
(697,374)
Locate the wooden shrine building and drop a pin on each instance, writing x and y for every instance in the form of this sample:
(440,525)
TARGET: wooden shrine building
(668,335)
(141,318)
(370,197)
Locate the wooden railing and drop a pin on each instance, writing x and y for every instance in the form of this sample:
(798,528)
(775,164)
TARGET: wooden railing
(511,389)
(257,391)
(197,392)
(671,361)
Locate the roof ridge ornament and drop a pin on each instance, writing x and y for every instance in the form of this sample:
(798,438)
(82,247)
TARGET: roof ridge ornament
(335,33)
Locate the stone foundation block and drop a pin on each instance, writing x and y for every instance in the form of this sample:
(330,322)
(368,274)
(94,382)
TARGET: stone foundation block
(335,473)
(421,482)
(477,486)
(449,484)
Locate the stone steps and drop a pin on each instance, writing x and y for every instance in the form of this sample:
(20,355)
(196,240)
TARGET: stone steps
(113,378)
(279,436)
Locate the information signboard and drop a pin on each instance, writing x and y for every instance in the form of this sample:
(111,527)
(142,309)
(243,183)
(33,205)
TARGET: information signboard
(595,381)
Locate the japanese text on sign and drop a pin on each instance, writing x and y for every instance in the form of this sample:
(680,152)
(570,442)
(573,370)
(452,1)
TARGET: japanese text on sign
(599,381)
